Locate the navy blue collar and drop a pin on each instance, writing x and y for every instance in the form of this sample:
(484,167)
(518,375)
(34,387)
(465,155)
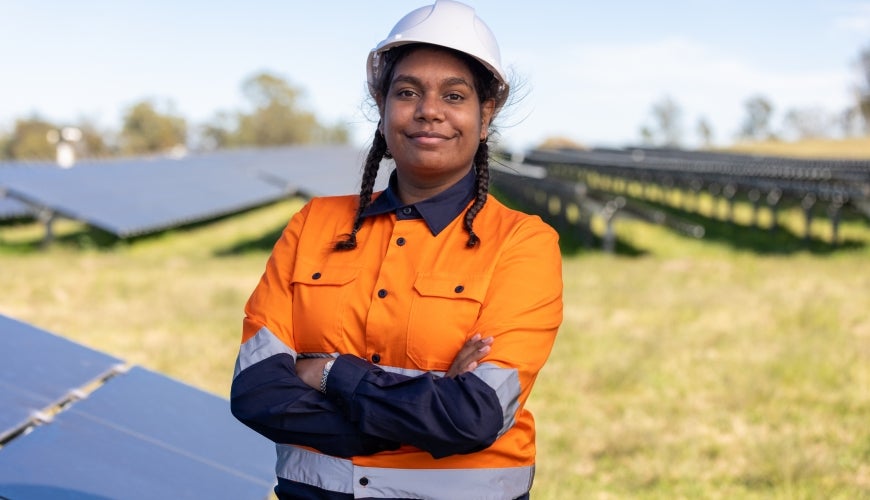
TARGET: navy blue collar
(438,211)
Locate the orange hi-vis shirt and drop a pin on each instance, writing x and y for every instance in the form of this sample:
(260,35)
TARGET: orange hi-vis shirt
(394,312)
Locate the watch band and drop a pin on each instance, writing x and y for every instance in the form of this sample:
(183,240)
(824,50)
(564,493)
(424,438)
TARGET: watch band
(326,368)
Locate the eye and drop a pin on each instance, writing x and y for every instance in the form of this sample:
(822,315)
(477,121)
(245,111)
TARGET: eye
(405,93)
(454,97)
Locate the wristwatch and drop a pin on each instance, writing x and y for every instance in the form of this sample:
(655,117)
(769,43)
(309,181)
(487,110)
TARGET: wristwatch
(326,368)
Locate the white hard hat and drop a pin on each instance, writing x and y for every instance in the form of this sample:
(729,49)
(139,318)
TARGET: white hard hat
(449,24)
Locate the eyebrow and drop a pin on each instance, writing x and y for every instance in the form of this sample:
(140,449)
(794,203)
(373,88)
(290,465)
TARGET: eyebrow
(447,82)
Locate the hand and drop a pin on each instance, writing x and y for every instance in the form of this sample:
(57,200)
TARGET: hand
(473,351)
(310,370)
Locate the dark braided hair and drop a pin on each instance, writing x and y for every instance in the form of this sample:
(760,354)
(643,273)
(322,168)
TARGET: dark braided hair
(486,86)
(370,173)
(481,164)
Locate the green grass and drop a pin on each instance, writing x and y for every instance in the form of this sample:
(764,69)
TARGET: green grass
(684,369)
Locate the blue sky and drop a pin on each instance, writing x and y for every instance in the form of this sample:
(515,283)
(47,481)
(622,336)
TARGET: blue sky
(590,70)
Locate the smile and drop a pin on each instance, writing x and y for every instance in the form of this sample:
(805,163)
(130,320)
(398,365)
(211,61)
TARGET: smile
(427,137)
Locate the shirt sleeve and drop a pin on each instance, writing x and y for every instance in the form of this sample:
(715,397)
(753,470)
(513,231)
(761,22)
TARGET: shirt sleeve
(266,393)
(444,416)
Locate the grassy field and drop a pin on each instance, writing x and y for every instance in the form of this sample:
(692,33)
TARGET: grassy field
(684,369)
(851,148)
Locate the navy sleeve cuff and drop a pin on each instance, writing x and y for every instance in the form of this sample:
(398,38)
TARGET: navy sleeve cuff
(344,377)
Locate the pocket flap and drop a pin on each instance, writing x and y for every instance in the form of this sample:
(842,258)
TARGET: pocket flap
(330,275)
(451,287)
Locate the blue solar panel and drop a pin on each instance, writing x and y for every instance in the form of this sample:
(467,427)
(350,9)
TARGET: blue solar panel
(314,170)
(137,196)
(140,436)
(10,208)
(39,370)
(13,209)
(134,197)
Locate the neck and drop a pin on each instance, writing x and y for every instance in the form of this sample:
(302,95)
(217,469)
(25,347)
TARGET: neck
(414,189)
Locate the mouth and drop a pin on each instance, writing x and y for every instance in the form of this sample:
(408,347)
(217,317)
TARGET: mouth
(427,135)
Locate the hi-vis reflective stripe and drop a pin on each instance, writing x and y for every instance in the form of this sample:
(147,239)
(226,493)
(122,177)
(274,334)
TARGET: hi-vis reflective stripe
(259,347)
(340,475)
(506,384)
(504,381)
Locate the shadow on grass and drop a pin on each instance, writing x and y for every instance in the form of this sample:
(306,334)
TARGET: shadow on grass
(777,240)
(85,238)
(763,241)
(574,239)
(262,244)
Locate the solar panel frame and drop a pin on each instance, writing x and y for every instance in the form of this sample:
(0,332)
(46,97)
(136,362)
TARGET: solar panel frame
(40,370)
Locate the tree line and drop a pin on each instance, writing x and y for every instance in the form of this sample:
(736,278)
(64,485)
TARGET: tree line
(665,126)
(148,127)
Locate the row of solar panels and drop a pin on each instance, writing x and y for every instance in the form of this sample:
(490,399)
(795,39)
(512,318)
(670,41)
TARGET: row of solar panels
(835,181)
(78,424)
(129,197)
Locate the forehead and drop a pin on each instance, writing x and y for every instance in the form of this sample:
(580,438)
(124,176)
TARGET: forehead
(433,62)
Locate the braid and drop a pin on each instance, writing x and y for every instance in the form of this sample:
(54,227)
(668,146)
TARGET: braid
(370,173)
(481,163)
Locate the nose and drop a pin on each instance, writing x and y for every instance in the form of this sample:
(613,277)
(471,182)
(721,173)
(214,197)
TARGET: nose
(430,107)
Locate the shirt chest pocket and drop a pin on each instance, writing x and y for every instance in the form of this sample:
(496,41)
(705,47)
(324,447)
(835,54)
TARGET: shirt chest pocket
(320,306)
(444,309)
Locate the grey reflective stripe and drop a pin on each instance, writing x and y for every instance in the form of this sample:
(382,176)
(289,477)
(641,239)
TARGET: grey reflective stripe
(506,384)
(410,372)
(307,467)
(337,474)
(504,381)
(259,347)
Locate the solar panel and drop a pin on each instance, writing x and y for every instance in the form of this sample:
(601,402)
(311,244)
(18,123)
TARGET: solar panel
(140,436)
(10,208)
(39,370)
(13,209)
(314,170)
(137,196)
(140,196)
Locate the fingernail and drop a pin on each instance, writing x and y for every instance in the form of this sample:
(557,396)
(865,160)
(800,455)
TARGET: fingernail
(485,348)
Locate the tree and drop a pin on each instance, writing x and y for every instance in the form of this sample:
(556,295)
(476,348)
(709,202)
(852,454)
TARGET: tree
(148,130)
(276,118)
(757,123)
(863,93)
(667,127)
(93,142)
(29,140)
(705,132)
(807,123)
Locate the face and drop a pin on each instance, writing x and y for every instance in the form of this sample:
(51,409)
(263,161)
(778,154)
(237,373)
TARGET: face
(432,120)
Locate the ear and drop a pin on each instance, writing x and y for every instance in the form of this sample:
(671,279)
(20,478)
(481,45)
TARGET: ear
(487,108)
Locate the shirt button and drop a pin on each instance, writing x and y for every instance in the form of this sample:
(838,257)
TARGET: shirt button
(400,241)
(459,289)
(315,276)
(364,481)
(376,358)
(406,210)
(382,293)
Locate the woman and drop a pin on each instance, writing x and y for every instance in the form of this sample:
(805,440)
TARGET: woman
(394,338)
